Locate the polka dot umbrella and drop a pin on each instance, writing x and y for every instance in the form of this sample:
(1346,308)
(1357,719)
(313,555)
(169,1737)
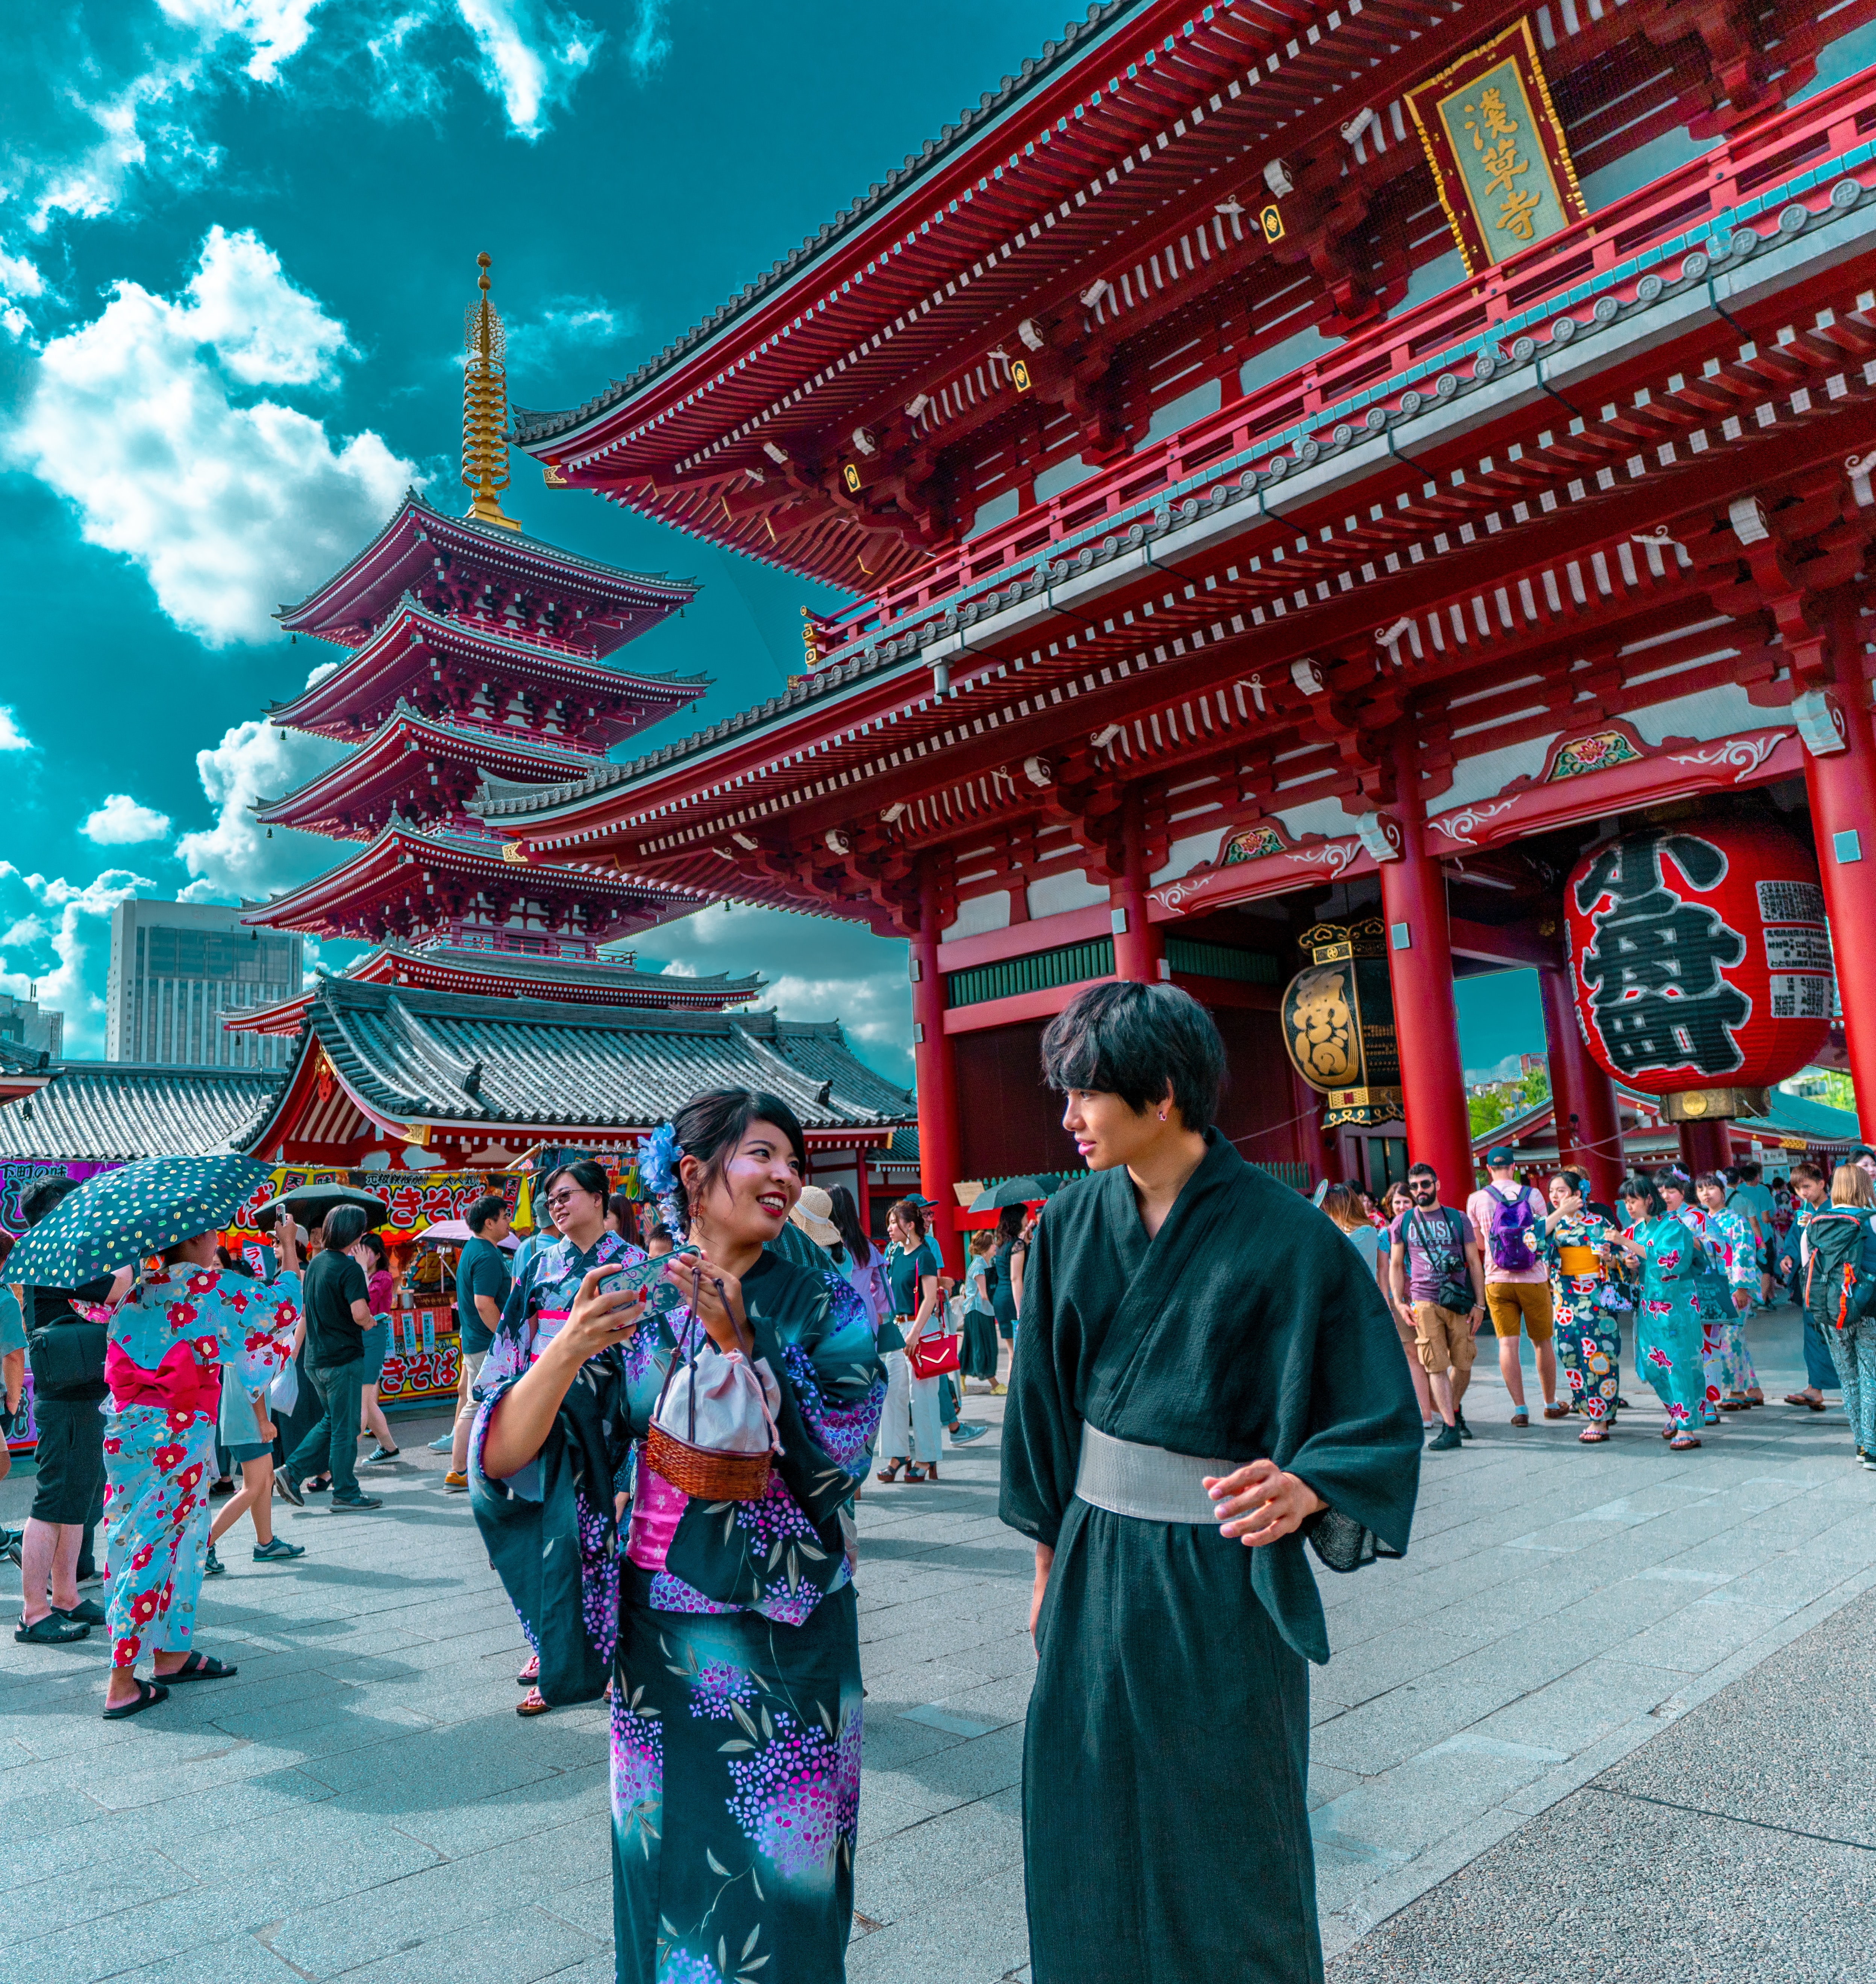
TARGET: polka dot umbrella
(116,1218)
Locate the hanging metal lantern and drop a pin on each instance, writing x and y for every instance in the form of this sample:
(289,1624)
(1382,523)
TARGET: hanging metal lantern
(1338,1023)
(1701,963)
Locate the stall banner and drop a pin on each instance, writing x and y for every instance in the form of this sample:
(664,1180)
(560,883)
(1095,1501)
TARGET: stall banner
(18,1176)
(417,1200)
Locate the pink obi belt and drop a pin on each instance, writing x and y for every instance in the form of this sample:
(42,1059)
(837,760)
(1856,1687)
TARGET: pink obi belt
(179,1383)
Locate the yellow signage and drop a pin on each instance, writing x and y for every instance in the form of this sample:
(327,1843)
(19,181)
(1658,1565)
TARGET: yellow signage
(1272,222)
(1019,375)
(851,476)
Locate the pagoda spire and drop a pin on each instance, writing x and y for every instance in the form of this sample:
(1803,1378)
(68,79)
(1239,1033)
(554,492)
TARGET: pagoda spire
(485,406)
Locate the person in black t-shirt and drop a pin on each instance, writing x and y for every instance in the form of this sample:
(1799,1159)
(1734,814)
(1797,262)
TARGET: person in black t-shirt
(482,1280)
(338,1312)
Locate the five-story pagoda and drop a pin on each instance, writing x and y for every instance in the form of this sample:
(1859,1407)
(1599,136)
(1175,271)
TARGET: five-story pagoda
(476,660)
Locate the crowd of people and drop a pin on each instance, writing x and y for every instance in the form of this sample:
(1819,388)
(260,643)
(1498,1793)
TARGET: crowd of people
(667,1415)
(1675,1271)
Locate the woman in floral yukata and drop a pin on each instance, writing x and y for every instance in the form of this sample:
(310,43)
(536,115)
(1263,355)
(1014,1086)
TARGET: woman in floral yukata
(1728,1362)
(1676,1273)
(730,1629)
(1584,1298)
(166,1346)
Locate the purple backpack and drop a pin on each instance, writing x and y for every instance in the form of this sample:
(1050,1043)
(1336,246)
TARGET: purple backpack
(1512,1221)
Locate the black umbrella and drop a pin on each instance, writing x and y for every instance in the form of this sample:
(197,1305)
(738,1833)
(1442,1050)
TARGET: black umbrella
(1012,1192)
(115,1218)
(310,1204)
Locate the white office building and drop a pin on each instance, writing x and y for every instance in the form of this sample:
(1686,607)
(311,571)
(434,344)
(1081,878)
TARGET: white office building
(26,1024)
(176,968)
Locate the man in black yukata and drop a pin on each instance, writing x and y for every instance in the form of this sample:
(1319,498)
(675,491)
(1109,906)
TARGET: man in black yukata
(1206,1376)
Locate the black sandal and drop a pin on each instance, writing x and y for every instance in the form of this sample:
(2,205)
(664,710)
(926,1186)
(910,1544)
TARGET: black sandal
(890,1471)
(55,1630)
(148,1694)
(201,1667)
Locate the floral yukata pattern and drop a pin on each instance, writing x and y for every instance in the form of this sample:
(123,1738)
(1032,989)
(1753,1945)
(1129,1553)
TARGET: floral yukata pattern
(736,1699)
(164,1351)
(1589,1335)
(1724,1355)
(1676,1304)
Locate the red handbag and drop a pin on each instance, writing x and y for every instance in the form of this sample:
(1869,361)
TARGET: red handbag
(932,1355)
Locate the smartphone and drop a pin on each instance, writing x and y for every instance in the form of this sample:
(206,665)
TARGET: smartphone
(647,1276)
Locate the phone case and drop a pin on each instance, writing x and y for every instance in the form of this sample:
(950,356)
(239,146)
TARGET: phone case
(660,1297)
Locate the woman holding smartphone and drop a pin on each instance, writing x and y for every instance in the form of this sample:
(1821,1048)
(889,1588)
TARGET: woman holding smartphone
(729,1630)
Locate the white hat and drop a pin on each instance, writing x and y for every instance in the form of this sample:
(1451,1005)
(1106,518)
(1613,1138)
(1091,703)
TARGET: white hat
(810,1214)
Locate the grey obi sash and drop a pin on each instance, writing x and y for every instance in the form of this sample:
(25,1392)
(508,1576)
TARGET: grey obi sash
(1149,1483)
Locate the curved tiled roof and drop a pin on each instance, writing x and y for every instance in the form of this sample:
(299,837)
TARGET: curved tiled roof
(103,1112)
(528,427)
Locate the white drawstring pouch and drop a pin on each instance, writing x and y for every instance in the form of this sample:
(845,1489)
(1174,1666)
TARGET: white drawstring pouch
(721,1402)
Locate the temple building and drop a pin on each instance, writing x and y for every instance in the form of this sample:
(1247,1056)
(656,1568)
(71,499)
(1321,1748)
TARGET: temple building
(1337,500)
(470,659)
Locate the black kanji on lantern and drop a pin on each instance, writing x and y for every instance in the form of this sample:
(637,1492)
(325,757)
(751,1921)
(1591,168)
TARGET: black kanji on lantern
(1654,973)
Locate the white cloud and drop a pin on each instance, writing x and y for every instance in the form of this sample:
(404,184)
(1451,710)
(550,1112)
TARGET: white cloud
(61,983)
(12,737)
(817,968)
(226,507)
(273,30)
(650,43)
(531,55)
(234,857)
(121,822)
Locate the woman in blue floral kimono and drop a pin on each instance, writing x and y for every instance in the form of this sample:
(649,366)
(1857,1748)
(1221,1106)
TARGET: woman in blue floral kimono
(164,1347)
(1729,1363)
(1585,1299)
(729,1630)
(1674,1269)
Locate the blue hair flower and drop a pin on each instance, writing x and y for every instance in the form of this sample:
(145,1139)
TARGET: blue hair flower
(658,1156)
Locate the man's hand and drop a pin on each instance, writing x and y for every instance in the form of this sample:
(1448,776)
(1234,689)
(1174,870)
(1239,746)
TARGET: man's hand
(1258,1503)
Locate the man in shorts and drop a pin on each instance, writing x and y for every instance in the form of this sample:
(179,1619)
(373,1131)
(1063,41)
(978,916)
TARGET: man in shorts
(1509,1218)
(1433,1271)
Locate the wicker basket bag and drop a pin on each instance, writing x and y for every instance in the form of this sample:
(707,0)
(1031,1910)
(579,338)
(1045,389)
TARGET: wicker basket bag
(730,1462)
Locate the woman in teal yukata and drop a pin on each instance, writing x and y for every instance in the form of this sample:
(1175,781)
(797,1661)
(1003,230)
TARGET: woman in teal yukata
(165,1347)
(1728,1362)
(1586,1294)
(1676,1273)
(729,1629)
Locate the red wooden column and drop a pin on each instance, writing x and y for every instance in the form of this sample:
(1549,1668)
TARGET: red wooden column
(1841,787)
(935,1065)
(1139,951)
(1706,1147)
(1413,904)
(1578,1087)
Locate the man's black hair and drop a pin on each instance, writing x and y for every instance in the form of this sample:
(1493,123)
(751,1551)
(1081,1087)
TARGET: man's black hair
(344,1224)
(492,1207)
(1422,1169)
(44,1196)
(1132,1041)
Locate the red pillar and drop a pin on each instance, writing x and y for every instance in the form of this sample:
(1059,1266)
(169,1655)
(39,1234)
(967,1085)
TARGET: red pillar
(1413,904)
(1579,1088)
(1139,951)
(935,1067)
(1841,787)
(1706,1147)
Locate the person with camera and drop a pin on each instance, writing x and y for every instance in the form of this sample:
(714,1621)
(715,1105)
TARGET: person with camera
(1433,1265)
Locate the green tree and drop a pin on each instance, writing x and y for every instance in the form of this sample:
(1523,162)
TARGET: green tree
(1484,1113)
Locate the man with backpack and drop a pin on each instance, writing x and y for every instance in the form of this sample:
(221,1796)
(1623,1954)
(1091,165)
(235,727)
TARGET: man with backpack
(1433,1271)
(1839,1247)
(1508,1219)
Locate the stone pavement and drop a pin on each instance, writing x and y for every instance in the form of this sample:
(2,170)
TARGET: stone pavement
(363,1802)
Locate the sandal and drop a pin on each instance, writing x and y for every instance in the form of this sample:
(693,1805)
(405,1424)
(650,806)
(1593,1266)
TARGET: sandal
(533,1703)
(530,1674)
(148,1694)
(201,1667)
(1799,1398)
(928,1471)
(890,1471)
(1592,1436)
(1683,1443)
(55,1630)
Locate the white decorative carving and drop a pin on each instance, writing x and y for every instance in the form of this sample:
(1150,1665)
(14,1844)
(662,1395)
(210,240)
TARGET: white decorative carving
(1334,855)
(1744,754)
(1461,824)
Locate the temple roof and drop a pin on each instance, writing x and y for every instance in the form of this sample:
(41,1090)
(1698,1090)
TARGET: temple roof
(396,875)
(607,605)
(410,1057)
(512,974)
(103,1112)
(400,663)
(402,767)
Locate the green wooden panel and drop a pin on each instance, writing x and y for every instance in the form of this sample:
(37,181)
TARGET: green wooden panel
(1187,954)
(1069,964)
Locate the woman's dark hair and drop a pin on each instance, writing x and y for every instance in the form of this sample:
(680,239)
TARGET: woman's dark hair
(588,1174)
(492,1207)
(845,1215)
(912,1217)
(1131,1040)
(375,1242)
(1574,1179)
(1642,1187)
(624,1210)
(233,1260)
(1672,1174)
(344,1225)
(1010,1224)
(1709,1178)
(44,1196)
(711,1127)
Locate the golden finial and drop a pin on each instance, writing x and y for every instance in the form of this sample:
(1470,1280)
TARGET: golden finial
(485,406)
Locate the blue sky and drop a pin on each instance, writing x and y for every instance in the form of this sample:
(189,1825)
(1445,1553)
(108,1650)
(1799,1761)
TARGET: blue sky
(237,240)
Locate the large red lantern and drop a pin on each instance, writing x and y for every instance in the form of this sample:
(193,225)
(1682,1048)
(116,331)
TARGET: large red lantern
(1700,959)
